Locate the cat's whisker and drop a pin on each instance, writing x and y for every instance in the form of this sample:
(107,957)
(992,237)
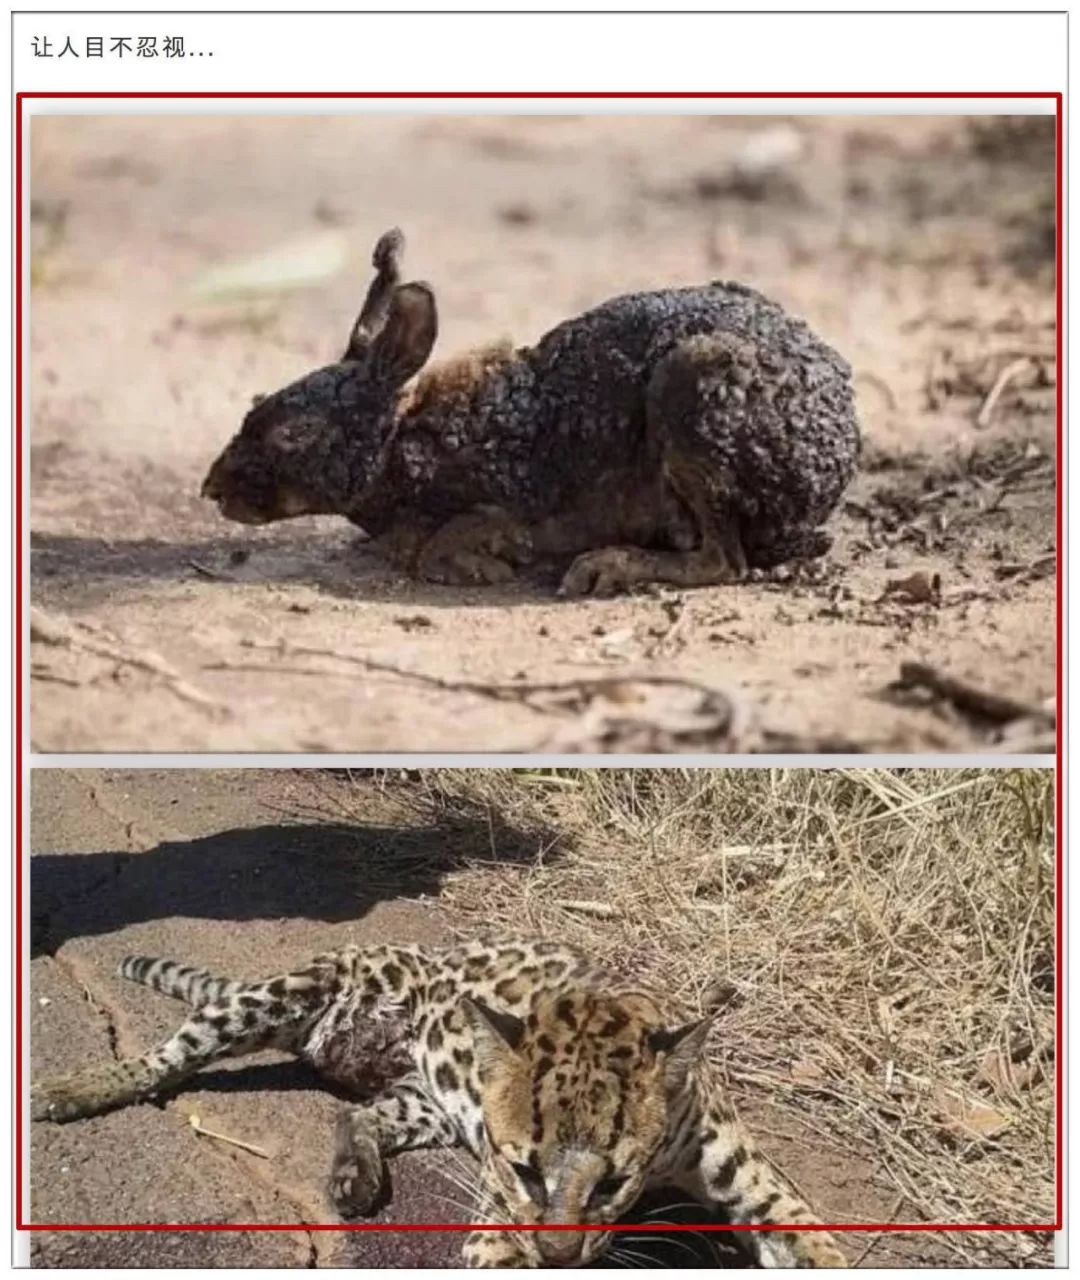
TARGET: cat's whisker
(673,1207)
(675,1240)
(632,1258)
(461,1184)
(453,1202)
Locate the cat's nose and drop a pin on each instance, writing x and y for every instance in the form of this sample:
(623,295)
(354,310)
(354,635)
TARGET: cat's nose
(211,487)
(560,1248)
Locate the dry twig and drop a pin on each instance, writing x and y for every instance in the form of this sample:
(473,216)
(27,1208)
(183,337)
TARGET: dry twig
(1011,370)
(966,697)
(60,633)
(197,1125)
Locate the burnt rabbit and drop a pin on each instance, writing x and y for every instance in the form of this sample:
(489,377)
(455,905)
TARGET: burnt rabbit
(683,436)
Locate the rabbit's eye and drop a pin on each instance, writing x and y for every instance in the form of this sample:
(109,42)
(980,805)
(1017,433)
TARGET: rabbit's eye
(288,435)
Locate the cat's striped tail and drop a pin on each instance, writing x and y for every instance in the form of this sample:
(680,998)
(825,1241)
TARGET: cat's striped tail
(196,986)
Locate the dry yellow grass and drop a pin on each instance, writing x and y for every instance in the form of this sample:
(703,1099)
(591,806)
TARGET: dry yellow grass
(885,940)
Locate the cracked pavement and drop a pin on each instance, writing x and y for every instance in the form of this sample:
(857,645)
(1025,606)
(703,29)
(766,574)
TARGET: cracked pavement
(196,865)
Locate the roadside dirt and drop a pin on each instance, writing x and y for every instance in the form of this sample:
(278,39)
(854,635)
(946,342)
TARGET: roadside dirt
(921,250)
(229,869)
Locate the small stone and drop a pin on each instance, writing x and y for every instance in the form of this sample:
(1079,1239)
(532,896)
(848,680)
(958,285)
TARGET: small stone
(517,215)
(414,622)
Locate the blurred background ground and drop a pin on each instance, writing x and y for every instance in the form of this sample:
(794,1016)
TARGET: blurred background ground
(885,940)
(921,247)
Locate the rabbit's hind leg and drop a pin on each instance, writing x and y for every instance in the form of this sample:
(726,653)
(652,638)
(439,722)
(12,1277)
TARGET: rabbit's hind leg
(718,557)
(484,545)
(707,497)
(700,408)
(613,569)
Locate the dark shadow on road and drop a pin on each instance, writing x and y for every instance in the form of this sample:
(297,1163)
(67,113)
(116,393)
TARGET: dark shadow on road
(314,871)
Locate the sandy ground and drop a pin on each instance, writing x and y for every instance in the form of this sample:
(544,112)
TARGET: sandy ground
(921,252)
(225,868)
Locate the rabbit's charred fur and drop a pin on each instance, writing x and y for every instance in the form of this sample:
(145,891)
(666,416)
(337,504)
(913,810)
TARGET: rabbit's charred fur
(683,435)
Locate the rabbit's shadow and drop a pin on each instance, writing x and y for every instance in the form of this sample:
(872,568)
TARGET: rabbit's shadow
(84,570)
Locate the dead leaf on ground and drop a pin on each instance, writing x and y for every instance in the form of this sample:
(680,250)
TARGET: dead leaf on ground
(967,1119)
(807,1072)
(1011,1069)
(917,588)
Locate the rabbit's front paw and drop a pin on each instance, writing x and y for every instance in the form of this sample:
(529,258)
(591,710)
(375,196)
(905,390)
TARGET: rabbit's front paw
(605,572)
(476,546)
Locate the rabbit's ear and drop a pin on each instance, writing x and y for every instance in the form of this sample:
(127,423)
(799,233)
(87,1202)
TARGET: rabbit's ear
(386,259)
(405,341)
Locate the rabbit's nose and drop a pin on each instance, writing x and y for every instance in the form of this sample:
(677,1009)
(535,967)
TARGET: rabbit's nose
(210,488)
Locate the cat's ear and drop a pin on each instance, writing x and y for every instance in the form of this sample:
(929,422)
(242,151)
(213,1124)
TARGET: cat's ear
(681,1048)
(495,1033)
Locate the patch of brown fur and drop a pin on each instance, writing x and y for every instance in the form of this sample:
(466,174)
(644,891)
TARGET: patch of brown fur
(402,542)
(598,1037)
(458,377)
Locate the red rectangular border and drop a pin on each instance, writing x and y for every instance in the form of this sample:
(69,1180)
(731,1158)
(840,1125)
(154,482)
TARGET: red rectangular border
(1057,99)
